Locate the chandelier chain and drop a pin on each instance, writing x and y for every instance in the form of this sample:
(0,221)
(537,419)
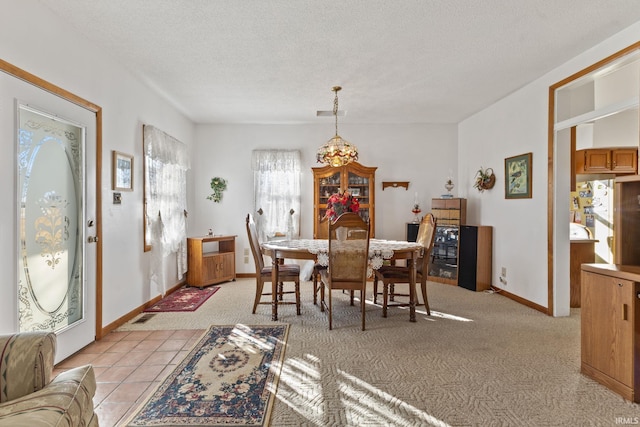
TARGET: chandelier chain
(335,110)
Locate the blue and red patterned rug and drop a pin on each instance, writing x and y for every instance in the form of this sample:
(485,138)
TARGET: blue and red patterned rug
(184,299)
(228,378)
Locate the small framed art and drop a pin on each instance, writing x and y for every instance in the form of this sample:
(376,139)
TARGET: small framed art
(517,177)
(122,171)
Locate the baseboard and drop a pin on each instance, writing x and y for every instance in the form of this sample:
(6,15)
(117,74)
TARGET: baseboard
(133,313)
(521,300)
(245,275)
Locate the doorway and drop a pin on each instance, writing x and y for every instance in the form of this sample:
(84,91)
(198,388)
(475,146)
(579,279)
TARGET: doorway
(596,93)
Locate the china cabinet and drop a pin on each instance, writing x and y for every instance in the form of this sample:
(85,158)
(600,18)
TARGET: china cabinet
(359,180)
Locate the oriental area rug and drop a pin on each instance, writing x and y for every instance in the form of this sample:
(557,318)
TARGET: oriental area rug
(229,378)
(184,299)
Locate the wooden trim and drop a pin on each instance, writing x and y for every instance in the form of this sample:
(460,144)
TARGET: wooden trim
(21,74)
(133,313)
(573,158)
(99,272)
(550,194)
(245,275)
(551,159)
(520,300)
(145,245)
(627,50)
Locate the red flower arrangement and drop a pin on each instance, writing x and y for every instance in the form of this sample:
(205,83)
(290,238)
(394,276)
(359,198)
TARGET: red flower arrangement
(341,203)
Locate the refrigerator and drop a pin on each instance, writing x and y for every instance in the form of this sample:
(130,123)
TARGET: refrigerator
(591,206)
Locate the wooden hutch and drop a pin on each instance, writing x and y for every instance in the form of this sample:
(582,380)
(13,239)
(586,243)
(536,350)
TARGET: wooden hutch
(359,180)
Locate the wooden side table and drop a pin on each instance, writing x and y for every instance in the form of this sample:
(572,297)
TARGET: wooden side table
(211,260)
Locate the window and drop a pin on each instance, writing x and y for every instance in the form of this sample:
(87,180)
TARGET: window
(165,202)
(276,190)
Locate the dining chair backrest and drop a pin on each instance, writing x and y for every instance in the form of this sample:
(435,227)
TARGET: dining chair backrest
(426,237)
(349,249)
(254,242)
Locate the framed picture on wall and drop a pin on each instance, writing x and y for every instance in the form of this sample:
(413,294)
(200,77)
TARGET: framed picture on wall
(122,171)
(517,177)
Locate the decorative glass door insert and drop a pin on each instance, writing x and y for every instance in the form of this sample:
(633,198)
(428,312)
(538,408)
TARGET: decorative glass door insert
(51,168)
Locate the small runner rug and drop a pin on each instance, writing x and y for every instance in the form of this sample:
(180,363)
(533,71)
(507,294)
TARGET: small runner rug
(228,378)
(184,299)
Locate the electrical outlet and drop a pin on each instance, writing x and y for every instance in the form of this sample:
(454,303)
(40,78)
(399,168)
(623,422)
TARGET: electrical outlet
(246,252)
(503,280)
(504,272)
(246,260)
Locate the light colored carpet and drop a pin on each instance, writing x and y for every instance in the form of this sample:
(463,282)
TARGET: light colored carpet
(479,360)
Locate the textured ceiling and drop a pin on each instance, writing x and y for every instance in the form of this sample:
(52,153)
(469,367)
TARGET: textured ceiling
(403,61)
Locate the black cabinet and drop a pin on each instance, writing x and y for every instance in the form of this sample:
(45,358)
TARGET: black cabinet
(474,268)
(412,231)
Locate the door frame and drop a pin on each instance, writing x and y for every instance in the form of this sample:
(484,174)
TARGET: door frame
(551,178)
(97,110)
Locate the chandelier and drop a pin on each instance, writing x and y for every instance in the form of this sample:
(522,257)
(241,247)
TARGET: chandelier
(337,152)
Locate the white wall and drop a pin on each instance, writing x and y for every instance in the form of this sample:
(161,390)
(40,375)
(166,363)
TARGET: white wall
(38,42)
(515,125)
(421,154)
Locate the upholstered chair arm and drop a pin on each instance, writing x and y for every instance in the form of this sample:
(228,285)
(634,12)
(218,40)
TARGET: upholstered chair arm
(26,363)
(66,401)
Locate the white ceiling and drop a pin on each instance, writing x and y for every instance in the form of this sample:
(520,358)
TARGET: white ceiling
(398,61)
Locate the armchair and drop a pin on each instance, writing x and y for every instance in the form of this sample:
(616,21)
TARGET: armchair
(28,395)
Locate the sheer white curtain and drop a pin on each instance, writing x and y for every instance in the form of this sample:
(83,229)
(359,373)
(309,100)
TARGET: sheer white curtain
(276,191)
(166,165)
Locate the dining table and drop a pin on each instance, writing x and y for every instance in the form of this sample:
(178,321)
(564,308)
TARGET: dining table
(318,250)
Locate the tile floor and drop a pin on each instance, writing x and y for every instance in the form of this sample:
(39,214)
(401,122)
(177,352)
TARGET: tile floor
(129,366)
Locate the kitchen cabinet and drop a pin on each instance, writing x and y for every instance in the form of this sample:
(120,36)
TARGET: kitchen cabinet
(605,160)
(359,180)
(626,218)
(450,214)
(610,332)
(582,251)
(210,260)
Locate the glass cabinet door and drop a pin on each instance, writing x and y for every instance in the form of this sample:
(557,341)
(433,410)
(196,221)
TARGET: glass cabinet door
(359,188)
(356,179)
(328,186)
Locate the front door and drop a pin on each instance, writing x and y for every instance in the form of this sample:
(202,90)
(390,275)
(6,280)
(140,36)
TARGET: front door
(56,222)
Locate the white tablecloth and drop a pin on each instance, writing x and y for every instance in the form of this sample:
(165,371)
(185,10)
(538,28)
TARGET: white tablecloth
(379,250)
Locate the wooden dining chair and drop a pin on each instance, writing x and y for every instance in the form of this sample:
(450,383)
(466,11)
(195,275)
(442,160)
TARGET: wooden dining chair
(317,269)
(348,261)
(286,273)
(391,275)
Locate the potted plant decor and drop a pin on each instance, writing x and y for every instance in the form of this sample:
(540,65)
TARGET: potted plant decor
(485,179)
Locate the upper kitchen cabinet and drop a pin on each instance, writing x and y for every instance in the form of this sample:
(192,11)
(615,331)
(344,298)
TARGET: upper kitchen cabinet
(604,160)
